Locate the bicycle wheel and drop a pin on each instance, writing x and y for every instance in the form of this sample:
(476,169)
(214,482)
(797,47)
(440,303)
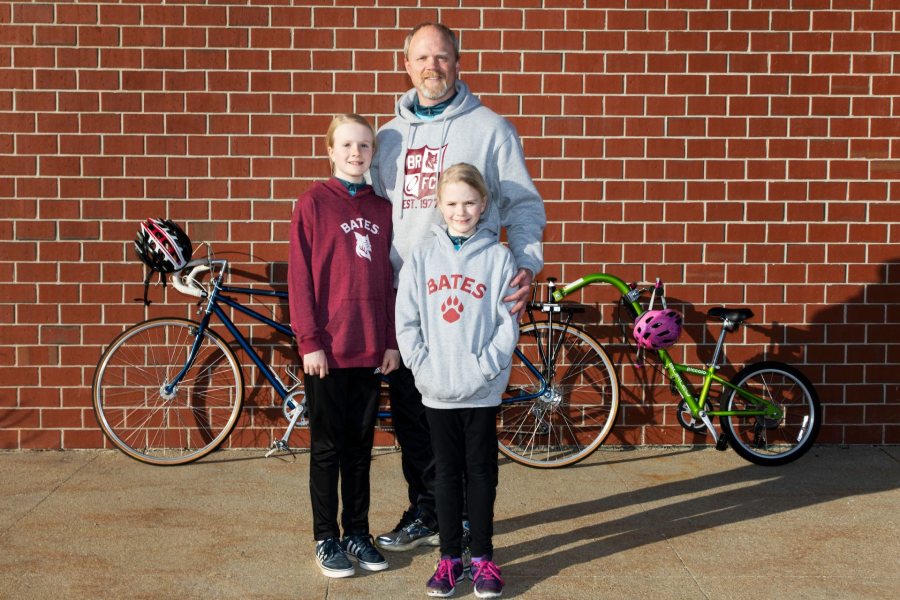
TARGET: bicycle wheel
(766,441)
(575,413)
(152,425)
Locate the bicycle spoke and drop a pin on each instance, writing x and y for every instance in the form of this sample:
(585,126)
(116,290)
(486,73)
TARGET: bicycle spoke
(152,424)
(762,439)
(577,409)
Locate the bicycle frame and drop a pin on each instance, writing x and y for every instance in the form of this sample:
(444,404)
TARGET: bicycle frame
(213,308)
(674,370)
(569,384)
(217,295)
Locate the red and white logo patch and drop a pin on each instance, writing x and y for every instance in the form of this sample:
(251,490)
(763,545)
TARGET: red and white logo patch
(423,167)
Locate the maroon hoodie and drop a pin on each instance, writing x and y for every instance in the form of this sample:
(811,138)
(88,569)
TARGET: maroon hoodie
(340,279)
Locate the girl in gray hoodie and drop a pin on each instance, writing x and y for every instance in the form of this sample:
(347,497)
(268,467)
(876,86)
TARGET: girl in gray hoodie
(457,337)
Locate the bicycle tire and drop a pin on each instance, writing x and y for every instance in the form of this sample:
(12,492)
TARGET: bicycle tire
(764,441)
(133,410)
(578,409)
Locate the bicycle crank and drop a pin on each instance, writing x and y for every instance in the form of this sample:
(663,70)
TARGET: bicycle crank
(687,420)
(295,406)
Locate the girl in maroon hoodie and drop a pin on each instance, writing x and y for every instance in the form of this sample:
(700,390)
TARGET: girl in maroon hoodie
(342,312)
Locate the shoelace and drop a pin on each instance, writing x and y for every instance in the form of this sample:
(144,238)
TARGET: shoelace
(406,520)
(445,571)
(358,544)
(486,569)
(414,525)
(330,546)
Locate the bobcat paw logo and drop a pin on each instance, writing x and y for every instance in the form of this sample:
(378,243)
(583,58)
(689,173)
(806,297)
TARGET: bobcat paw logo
(363,246)
(452,309)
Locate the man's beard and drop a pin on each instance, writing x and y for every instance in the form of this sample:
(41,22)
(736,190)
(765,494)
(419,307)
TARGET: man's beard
(428,89)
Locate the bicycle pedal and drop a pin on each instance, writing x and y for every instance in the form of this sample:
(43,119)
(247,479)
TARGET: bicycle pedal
(722,443)
(278,446)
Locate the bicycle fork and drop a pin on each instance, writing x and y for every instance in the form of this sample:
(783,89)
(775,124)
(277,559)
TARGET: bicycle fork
(169,388)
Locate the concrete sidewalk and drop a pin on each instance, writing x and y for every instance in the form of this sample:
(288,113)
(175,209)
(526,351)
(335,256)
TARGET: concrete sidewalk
(648,523)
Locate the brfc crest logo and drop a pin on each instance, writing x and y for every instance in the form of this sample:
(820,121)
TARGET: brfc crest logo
(423,166)
(363,246)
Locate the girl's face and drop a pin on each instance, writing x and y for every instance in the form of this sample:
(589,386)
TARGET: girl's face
(461,206)
(351,152)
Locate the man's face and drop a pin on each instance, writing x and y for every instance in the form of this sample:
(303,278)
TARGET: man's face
(432,65)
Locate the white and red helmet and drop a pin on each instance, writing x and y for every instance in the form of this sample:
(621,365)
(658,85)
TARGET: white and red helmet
(162,245)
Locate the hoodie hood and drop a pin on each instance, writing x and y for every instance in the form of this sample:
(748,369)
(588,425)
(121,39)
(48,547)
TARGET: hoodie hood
(414,151)
(483,238)
(462,103)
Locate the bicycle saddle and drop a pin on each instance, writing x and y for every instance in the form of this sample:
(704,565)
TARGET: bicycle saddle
(735,315)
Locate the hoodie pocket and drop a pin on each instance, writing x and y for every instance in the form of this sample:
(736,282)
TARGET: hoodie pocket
(357,327)
(451,378)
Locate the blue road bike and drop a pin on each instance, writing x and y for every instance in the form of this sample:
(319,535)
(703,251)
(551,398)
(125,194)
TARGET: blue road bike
(168,391)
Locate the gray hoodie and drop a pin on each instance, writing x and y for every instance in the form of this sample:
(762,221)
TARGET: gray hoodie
(412,153)
(454,331)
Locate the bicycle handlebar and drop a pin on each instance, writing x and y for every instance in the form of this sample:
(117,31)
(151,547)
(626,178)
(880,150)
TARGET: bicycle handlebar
(629,294)
(189,284)
(579,283)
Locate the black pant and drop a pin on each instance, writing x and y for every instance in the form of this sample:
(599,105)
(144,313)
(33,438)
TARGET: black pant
(411,428)
(465,452)
(342,410)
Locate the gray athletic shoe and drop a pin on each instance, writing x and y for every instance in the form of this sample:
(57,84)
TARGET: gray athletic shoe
(410,533)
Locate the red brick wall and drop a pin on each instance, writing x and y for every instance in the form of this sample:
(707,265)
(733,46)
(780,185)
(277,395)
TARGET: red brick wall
(748,152)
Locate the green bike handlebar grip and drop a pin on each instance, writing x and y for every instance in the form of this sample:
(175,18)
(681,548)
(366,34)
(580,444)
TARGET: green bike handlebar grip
(579,283)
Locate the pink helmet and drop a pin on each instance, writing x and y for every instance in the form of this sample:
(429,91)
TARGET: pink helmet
(658,329)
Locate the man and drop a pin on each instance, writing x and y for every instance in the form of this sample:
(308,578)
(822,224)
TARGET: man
(440,123)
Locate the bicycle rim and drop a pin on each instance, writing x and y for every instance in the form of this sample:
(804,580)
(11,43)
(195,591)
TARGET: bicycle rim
(767,441)
(151,424)
(576,412)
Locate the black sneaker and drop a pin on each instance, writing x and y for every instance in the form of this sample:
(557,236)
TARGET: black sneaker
(332,560)
(409,533)
(360,548)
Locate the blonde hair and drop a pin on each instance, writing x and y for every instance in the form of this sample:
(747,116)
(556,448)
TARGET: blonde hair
(344,119)
(464,173)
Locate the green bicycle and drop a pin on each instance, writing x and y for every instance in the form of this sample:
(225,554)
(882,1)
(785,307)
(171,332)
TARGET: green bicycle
(769,411)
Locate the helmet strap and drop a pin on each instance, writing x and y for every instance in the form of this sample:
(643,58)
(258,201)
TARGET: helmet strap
(147,286)
(162,279)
